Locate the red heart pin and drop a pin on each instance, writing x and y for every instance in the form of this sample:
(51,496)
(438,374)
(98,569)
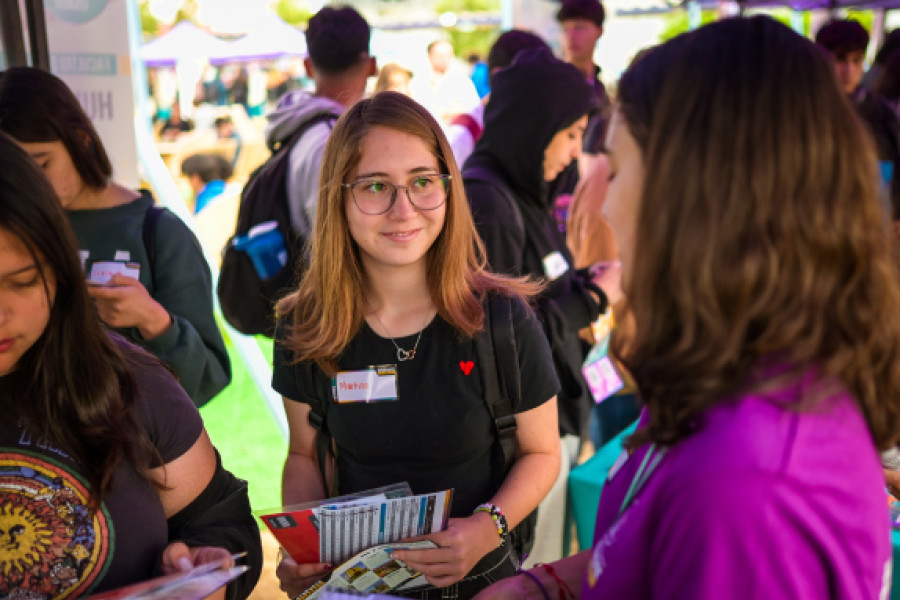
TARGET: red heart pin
(466,366)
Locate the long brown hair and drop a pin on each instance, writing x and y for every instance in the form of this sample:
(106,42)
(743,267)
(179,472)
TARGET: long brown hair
(73,386)
(328,307)
(761,237)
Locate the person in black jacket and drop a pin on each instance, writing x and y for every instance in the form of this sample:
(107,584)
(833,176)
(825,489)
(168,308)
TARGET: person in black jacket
(533,127)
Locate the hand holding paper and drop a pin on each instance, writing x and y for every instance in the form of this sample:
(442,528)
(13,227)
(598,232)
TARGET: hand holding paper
(125,302)
(294,578)
(460,547)
(179,557)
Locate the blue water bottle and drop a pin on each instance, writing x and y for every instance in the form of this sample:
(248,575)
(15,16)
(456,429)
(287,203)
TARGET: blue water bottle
(264,245)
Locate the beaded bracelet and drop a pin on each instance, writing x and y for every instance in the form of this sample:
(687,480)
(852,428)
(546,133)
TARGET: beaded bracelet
(497,516)
(538,582)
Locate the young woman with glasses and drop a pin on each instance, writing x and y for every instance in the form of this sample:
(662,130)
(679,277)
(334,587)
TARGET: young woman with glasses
(397,277)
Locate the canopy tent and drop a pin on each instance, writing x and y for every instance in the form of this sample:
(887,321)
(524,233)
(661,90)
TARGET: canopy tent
(804,5)
(270,38)
(184,41)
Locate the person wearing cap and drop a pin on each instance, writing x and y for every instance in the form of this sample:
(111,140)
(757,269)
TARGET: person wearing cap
(582,25)
(532,132)
(339,63)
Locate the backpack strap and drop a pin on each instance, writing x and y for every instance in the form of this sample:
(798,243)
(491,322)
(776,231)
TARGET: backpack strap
(148,235)
(496,347)
(324,442)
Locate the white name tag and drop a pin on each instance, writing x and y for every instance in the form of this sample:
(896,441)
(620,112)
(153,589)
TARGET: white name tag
(555,265)
(369,385)
(102,272)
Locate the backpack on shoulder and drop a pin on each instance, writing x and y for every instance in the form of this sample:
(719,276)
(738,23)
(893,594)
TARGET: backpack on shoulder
(261,260)
(496,349)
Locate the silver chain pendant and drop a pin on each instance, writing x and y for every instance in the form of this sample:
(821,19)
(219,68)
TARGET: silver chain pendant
(403,355)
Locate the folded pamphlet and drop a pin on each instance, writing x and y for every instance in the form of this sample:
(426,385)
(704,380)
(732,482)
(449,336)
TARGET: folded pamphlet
(336,529)
(373,571)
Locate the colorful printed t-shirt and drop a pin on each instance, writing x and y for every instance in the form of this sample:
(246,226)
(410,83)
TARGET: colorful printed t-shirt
(765,500)
(51,546)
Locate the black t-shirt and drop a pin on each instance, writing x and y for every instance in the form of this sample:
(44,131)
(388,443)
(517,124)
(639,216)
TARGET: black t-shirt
(438,434)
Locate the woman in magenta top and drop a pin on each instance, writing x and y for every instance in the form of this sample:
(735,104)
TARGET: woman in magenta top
(758,265)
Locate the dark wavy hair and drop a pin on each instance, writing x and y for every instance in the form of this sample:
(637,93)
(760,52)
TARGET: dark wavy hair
(75,388)
(760,236)
(37,106)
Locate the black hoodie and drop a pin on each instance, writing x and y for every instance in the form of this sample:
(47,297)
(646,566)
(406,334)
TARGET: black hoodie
(531,101)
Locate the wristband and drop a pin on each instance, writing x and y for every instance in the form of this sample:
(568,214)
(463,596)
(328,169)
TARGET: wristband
(563,586)
(497,516)
(538,582)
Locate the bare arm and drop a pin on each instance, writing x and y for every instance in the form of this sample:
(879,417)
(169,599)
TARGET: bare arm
(300,482)
(184,479)
(571,570)
(536,466)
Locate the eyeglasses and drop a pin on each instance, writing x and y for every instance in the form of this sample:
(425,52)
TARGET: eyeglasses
(377,196)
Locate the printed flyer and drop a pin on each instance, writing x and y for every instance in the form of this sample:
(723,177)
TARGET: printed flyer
(334,530)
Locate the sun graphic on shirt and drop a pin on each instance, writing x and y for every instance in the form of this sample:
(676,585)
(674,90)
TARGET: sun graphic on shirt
(23,536)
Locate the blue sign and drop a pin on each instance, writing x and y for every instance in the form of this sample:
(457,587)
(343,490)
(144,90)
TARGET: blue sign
(75,11)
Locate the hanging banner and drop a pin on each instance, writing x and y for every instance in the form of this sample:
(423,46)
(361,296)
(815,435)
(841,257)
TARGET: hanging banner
(89,50)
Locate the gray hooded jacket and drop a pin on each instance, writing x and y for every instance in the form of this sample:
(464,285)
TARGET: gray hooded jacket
(293,110)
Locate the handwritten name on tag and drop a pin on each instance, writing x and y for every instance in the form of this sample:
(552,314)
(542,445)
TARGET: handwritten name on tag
(376,384)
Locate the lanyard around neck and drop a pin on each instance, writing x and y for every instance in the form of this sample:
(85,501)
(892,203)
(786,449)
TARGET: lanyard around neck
(648,465)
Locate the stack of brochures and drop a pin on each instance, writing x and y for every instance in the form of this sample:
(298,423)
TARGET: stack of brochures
(359,532)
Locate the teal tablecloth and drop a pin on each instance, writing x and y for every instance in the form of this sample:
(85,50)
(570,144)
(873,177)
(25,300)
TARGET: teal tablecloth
(895,585)
(585,483)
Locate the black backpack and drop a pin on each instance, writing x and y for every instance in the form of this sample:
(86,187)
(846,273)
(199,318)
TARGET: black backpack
(247,300)
(496,349)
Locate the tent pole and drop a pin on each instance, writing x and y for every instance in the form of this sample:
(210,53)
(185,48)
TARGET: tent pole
(694,15)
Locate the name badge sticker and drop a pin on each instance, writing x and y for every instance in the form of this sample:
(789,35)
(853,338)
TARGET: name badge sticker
(602,377)
(555,265)
(375,384)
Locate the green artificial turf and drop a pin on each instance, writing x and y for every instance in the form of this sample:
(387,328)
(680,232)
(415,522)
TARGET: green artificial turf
(245,433)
